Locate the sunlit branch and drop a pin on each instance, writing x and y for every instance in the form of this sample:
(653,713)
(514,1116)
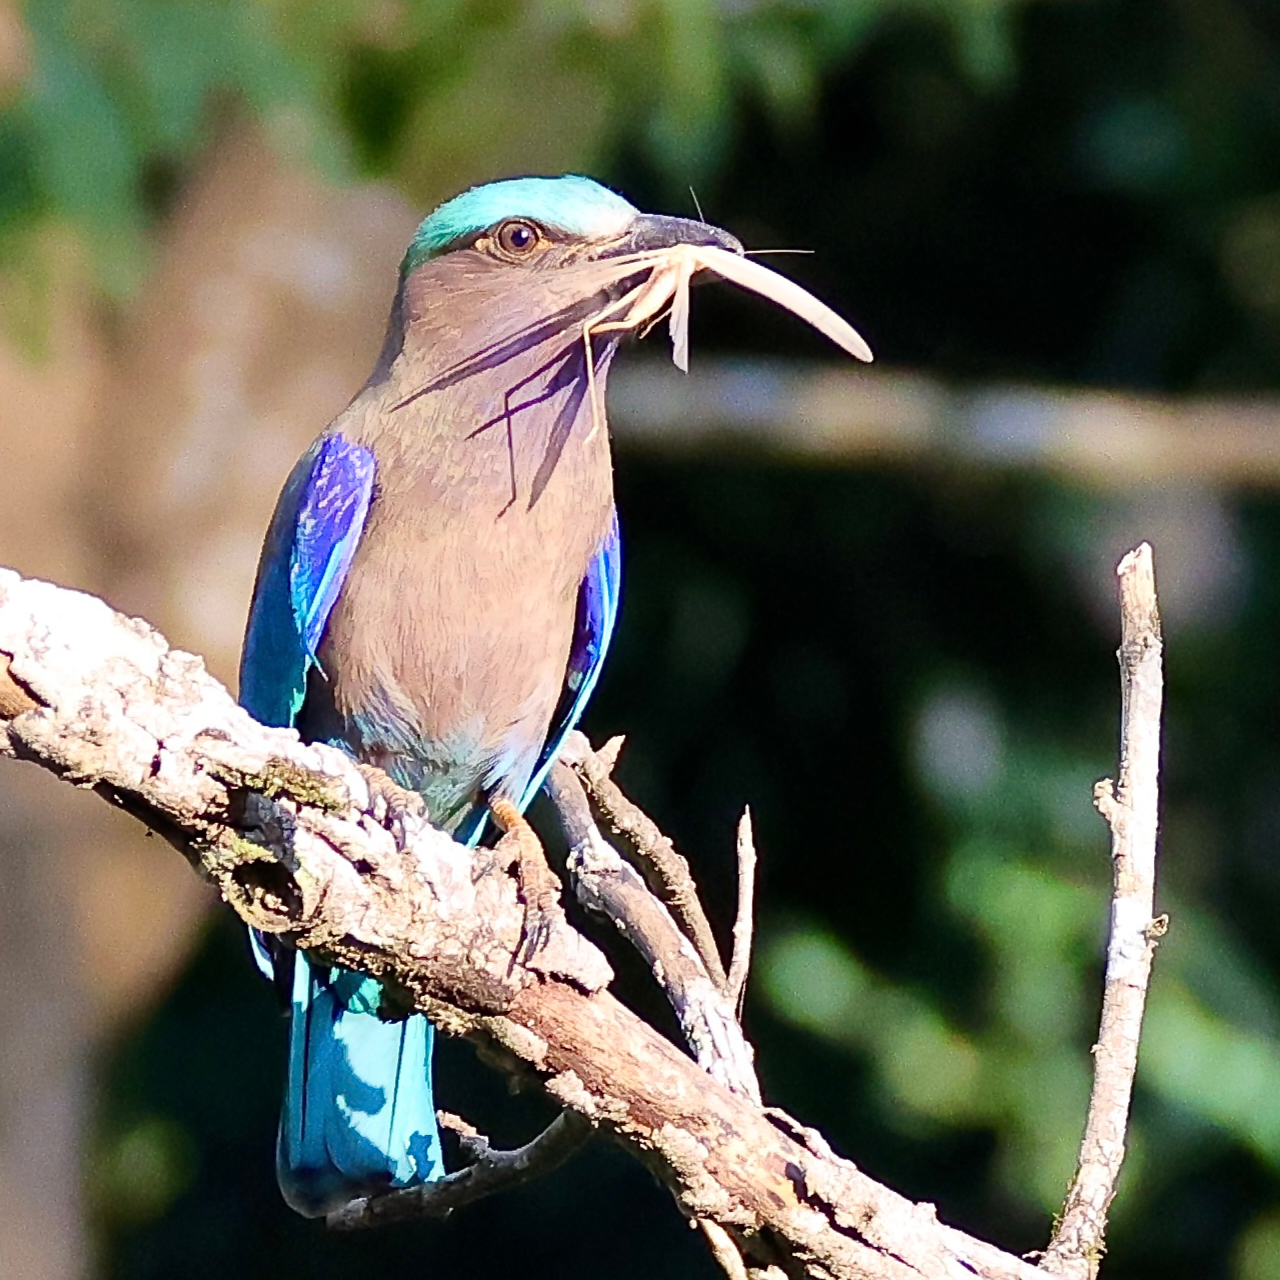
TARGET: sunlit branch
(304,845)
(1131,809)
(605,883)
(743,924)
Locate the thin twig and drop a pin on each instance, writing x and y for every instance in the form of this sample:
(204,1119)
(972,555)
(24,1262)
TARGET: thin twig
(490,1173)
(471,1141)
(609,752)
(723,1249)
(1131,809)
(607,884)
(666,870)
(740,965)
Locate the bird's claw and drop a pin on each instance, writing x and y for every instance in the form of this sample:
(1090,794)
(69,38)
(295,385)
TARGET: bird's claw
(394,806)
(539,887)
(535,933)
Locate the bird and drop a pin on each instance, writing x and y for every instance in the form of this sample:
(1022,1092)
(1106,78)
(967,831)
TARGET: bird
(435,595)
(439,583)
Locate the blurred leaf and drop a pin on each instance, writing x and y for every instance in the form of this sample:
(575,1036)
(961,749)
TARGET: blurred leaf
(139,1173)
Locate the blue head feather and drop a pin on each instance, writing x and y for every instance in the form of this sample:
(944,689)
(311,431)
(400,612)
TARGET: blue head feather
(572,204)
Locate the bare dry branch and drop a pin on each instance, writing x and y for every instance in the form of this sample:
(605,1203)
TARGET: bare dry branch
(609,752)
(1132,812)
(743,924)
(666,871)
(489,1173)
(300,845)
(723,1249)
(607,884)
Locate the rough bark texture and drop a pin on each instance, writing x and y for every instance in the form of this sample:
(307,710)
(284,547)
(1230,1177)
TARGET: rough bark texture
(299,843)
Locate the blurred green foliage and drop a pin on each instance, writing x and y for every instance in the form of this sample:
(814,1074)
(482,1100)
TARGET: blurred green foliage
(123,94)
(908,675)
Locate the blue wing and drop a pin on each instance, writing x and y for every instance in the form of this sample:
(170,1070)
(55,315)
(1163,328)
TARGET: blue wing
(305,560)
(597,613)
(359,1114)
(308,550)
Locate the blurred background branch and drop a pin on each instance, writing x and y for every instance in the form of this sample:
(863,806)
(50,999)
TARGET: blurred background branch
(820,415)
(874,608)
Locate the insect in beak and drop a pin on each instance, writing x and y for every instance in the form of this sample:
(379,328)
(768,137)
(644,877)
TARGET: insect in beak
(671,271)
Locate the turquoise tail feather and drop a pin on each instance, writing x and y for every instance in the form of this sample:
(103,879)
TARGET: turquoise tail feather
(359,1116)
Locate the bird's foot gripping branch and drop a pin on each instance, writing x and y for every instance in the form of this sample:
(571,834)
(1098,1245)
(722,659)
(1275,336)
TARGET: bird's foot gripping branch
(302,846)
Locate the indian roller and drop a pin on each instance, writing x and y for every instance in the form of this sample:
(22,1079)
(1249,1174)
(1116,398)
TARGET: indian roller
(435,596)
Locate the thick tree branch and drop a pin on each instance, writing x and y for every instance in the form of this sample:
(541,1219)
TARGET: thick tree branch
(1131,809)
(300,845)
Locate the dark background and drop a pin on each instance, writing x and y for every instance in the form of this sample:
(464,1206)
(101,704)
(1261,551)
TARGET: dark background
(901,657)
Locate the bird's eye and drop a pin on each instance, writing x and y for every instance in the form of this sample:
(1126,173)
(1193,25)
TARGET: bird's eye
(517,238)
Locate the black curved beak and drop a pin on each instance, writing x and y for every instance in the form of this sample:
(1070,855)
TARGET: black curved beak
(657,231)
